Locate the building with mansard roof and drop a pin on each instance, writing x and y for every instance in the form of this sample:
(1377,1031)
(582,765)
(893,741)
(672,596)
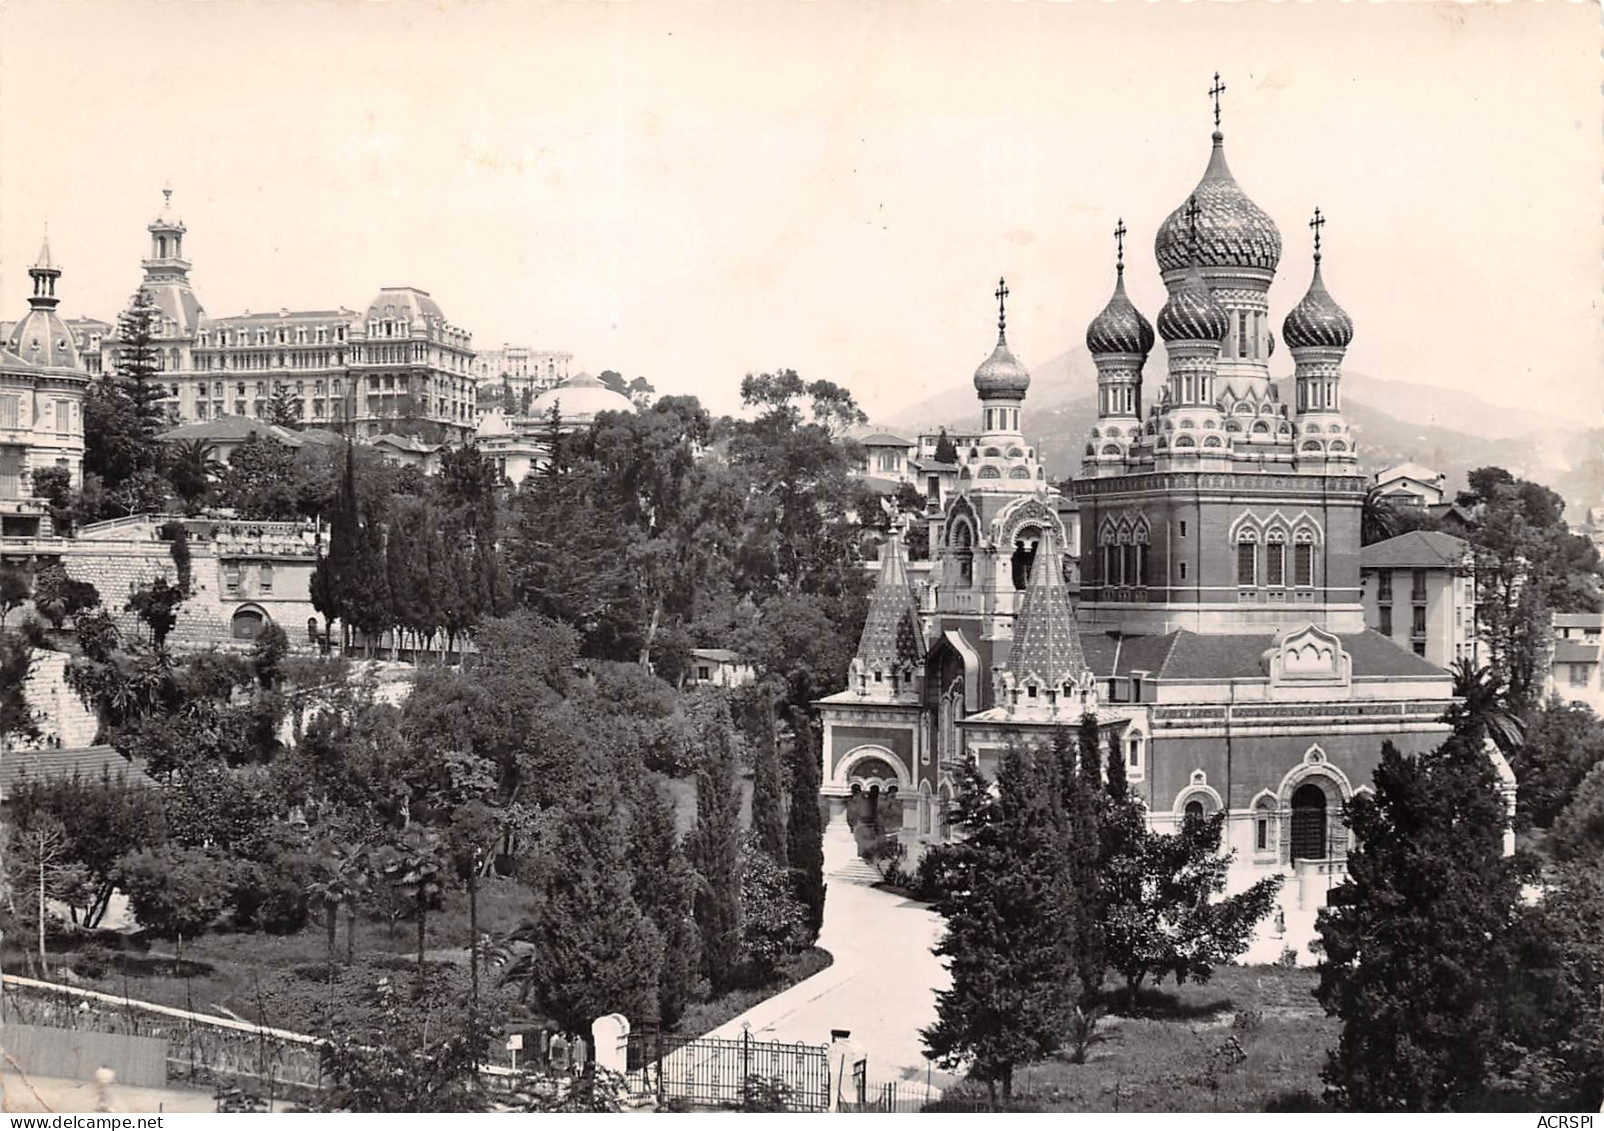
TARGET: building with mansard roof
(397,364)
(42,385)
(1219,635)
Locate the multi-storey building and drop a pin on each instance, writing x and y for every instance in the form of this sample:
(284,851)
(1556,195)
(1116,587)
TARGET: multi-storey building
(398,366)
(42,383)
(1574,671)
(512,376)
(1420,592)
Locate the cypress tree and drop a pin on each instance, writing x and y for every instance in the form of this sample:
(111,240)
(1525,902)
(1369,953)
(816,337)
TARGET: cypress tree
(768,818)
(664,886)
(804,830)
(1010,935)
(715,852)
(1418,941)
(1083,844)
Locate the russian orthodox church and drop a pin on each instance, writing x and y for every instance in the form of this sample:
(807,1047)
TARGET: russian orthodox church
(1219,634)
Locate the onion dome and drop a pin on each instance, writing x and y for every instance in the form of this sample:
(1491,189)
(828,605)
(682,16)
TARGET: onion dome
(1193,314)
(1000,376)
(1232,231)
(1317,321)
(1120,328)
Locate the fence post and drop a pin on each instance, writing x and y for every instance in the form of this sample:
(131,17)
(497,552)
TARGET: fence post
(746,1055)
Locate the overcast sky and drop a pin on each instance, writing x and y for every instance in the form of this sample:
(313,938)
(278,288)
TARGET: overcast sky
(692,191)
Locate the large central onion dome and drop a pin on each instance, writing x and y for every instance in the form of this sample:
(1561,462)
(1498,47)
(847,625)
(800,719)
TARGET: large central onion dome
(1120,328)
(1232,231)
(1317,321)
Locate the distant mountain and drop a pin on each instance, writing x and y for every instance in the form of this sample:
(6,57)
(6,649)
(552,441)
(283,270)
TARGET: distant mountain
(1394,421)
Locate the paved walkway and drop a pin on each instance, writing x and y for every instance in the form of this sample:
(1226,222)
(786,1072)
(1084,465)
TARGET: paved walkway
(882,984)
(52,1094)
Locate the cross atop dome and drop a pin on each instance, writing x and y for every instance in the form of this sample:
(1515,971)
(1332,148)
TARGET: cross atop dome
(1119,246)
(1315,225)
(1214,92)
(1001,295)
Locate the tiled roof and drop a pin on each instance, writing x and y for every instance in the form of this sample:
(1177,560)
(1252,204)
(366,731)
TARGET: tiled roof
(892,633)
(885,440)
(405,443)
(232,428)
(1575,652)
(1578,620)
(880,485)
(1232,231)
(1193,656)
(87,763)
(720,655)
(1425,548)
(1046,641)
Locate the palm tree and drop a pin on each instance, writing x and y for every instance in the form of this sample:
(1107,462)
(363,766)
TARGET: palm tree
(1379,520)
(192,467)
(1483,705)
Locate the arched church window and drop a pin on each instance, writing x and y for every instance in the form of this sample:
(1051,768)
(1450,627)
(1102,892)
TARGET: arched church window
(1311,445)
(1247,559)
(991,452)
(1309,823)
(1021,473)
(1194,810)
(1185,442)
(1024,556)
(1275,560)
(989,472)
(1111,449)
(1303,560)
(1241,334)
(1338,446)
(1260,428)
(1019,453)
(1213,442)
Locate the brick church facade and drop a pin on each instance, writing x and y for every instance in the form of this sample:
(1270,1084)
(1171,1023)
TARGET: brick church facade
(1219,634)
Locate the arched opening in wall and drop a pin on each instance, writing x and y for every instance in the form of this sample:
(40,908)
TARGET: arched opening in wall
(248,623)
(1194,809)
(1309,823)
(1025,543)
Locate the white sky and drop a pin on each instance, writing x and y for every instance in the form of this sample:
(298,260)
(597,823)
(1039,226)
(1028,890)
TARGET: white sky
(689,191)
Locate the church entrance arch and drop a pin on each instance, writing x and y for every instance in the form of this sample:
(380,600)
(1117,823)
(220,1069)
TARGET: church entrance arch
(1026,540)
(1309,823)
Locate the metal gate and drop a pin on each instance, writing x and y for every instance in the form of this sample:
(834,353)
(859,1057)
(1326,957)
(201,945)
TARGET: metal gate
(716,1072)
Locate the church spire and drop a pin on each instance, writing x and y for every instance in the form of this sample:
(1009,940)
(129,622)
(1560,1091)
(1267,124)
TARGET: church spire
(892,647)
(44,274)
(1047,649)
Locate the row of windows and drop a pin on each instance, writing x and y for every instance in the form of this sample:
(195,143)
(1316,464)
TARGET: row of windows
(1002,420)
(1417,591)
(1274,571)
(312,359)
(1417,625)
(54,416)
(1318,396)
(1119,399)
(278,336)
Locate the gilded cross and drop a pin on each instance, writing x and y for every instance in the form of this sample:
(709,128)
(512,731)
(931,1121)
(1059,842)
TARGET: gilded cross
(1119,242)
(1002,304)
(1315,225)
(1214,92)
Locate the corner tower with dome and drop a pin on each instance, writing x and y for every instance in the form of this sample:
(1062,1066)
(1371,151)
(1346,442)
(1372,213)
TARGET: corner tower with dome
(42,385)
(1218,638)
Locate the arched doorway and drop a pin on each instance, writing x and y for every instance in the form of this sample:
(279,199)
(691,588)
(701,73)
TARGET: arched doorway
(248,622)
(1309,823)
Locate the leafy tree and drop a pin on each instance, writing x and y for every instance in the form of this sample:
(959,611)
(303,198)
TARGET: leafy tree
(1562,745)
(1010,937)
(105,819)
(1165,914)
(14,591)
(1417,941)
(54,486)
(138,371)
(174,890)
(1528,566)
(773,922)
(259,481)
(804,830)
(400,1059)
(714,849)
(38,872)
(57,596)
(1556,1020)
(1579,829)
(157,606)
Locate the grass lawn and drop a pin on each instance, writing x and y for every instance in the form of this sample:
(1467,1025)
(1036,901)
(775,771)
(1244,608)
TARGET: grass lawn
(1160,1059)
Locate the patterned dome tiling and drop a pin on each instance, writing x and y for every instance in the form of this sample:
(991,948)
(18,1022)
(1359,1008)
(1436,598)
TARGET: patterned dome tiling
(1317,320)
(1232,231)
(1001,375)
(1193,314)
(1120,328)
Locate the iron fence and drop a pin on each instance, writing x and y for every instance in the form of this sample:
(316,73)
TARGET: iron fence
(715,1072)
